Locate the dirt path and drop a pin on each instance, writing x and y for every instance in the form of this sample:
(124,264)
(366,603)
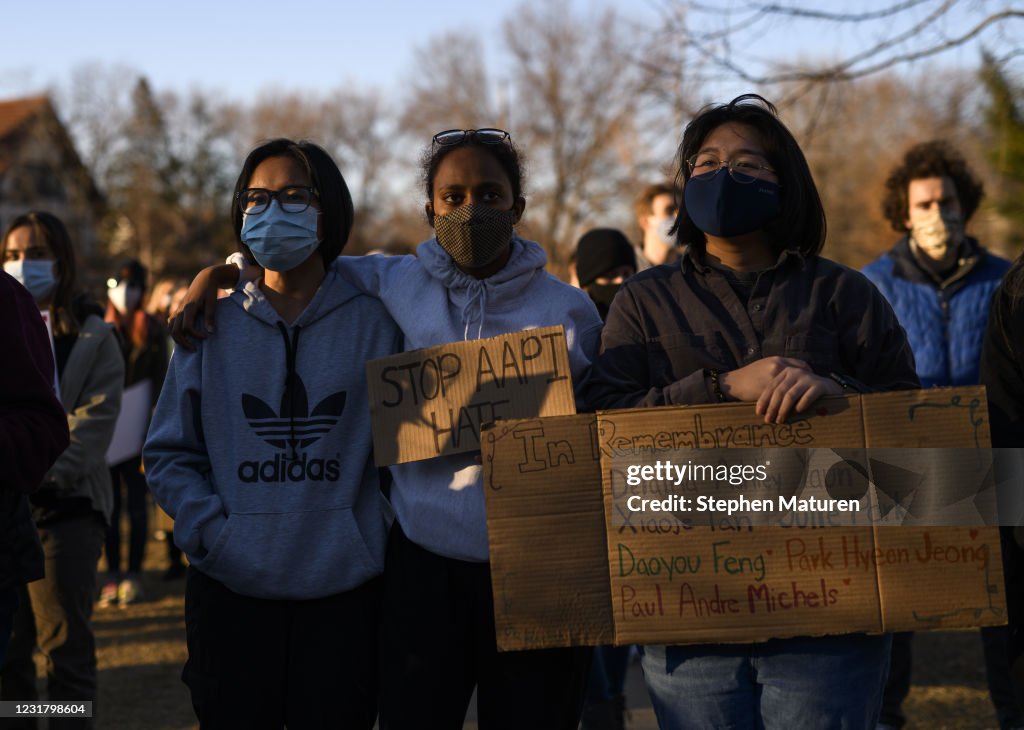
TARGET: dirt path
(141,650)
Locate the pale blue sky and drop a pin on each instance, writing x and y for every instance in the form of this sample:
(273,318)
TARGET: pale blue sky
(240,48)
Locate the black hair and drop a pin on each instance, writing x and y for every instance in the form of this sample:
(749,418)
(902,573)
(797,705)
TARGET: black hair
(132,271)
(801,222)
(336,206)
(936,158)
(506,153)
(51,229)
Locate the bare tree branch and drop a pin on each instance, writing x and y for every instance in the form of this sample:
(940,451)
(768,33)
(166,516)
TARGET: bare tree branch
(898,45)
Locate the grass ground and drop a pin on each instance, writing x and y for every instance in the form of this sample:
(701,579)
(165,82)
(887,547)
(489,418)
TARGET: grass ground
(141,649)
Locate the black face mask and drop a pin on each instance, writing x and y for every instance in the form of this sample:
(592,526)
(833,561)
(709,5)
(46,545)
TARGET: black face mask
(722,207)
(602,296)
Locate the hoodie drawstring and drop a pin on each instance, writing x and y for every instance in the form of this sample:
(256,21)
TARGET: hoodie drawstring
(476,297)
(291,350)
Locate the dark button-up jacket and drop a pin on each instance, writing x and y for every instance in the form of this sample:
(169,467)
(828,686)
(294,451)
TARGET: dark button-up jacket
(669,323)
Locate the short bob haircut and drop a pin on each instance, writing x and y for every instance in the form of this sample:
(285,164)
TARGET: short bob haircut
(337,211)
(801,223)
(936,158)
(49,228)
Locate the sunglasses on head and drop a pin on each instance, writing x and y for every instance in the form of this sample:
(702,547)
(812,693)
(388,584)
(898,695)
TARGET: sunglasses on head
(484,136)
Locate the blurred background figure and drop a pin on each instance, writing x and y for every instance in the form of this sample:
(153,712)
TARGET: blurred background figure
(33,433)
(144,349)
(940,283)
(604,259)
(158,306)
(656,214)
(72,508)
(158,303)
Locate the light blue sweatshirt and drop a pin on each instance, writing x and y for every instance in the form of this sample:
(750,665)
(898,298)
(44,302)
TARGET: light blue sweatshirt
(260,446)
(440,502)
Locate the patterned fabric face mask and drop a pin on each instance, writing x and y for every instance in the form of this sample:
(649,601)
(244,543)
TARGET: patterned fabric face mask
(474,235)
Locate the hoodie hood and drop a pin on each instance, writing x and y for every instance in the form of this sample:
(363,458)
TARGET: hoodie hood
(334,292)
(476,297)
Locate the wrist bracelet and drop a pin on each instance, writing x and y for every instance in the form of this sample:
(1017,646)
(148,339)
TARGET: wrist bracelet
(840,380)
(716,387)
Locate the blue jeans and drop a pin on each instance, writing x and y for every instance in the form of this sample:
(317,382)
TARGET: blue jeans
(831,681)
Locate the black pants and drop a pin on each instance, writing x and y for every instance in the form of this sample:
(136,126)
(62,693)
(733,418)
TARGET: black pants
(259,663)
(438,643)
(55,614)
(995,643)
(135,485)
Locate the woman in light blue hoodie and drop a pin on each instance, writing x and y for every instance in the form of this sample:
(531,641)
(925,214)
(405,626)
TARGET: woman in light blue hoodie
(260,450)
(475,279)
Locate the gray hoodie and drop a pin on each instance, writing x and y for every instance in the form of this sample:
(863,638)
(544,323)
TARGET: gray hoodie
(260,446)
(439,502)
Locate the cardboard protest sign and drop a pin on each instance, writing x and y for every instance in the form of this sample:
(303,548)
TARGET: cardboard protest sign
(571,564)
(429,402)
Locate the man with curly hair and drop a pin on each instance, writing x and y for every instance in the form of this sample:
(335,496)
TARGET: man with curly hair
(940,283)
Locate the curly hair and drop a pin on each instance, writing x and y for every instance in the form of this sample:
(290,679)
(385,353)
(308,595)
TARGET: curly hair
(936,158)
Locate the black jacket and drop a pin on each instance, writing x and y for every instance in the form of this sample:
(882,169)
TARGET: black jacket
(33,430)
(669,323)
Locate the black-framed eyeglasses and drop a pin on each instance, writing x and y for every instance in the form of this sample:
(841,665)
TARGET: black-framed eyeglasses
(292,199)
(743,169)
(488,135)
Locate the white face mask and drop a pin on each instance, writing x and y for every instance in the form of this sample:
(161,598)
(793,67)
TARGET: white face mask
(936,234)
(36,275)
(661,232)
(124,298)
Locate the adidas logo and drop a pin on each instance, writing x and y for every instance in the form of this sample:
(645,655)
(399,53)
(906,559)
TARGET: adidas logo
(277,429)
(293,426)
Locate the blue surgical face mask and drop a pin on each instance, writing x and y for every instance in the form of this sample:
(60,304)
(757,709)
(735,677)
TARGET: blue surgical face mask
(280,241)
(722,207)
(36,275)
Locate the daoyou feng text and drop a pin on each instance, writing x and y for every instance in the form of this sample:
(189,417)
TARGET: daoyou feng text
(667,471)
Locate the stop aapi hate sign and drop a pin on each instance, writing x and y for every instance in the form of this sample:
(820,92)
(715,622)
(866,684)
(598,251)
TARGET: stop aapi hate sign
(570,567)
(433,401)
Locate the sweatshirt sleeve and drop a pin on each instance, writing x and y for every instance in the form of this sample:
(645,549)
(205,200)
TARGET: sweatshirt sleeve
(92,419)
(373,274)
(620,377)
(33,425)
(177,462)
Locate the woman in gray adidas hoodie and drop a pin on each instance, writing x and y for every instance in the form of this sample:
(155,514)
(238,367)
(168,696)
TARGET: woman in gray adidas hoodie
(260,449)
(475,279)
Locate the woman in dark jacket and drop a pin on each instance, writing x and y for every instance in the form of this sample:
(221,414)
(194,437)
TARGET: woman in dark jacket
(72,507)
(752,312)
(33,433)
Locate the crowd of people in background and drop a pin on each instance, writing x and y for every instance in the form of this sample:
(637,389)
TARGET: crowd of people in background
(343,594)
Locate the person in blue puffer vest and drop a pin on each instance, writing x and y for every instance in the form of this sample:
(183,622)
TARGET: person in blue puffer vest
(938,280)
(940,283)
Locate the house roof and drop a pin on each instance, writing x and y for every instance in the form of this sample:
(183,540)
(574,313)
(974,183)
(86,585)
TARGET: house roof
(15,112)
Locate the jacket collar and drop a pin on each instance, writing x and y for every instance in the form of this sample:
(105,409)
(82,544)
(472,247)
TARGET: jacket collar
(906,264)
(693,259)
